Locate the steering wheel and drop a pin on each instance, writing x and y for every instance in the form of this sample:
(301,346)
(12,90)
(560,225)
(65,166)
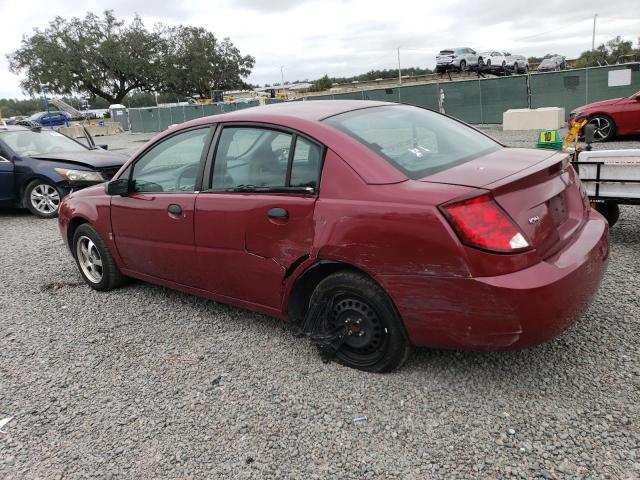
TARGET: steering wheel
(190,171)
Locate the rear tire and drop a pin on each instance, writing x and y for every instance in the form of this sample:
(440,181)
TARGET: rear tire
(463,65)
(609,210)
(379,342)
(96,265)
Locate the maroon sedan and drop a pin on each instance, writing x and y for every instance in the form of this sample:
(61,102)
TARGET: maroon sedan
(370,226)
(611,118)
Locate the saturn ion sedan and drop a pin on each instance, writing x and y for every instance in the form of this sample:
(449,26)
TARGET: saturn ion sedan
(373,227)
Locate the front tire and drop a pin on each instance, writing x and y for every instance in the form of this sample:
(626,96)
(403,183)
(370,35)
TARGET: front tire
(463,65)
(605,128)
(377,341)
(96,265)
(42,199)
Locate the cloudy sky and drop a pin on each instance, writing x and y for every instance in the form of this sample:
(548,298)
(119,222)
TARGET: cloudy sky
(343,37)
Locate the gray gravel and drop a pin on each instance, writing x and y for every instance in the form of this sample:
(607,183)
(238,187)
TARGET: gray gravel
(144,382)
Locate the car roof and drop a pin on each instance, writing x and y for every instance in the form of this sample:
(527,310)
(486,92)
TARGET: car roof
(314,110)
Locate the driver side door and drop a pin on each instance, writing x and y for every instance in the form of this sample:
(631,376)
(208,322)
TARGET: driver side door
(153,224)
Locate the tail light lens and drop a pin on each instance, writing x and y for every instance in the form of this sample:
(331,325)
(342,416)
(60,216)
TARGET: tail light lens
(481,223)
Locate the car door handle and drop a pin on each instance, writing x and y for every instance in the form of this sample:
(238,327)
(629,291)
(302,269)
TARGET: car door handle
(174,209)
(278,212)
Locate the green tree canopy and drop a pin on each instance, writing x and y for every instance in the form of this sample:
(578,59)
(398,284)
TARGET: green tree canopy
(107,58)
(606,54)
(195,63)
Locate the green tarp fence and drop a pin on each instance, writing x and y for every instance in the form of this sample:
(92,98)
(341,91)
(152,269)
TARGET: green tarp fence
(479,100)
(157,119)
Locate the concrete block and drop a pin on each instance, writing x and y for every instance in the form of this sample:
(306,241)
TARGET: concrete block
(546,118)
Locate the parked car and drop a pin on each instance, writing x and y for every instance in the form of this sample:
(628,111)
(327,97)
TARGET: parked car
(50,119)
(611,118)
(371,226)
(553,64)
(459,59)
(38,167)
(494,60)
(517,63)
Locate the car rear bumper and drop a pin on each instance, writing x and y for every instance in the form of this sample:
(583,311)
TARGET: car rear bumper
(507,312)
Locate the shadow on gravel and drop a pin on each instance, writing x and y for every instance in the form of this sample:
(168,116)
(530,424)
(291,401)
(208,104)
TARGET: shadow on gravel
(16,212)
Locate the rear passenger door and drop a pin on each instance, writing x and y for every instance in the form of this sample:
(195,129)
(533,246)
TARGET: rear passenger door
(256,218)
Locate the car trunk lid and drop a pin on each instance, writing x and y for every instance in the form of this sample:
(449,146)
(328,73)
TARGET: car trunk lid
(538,189)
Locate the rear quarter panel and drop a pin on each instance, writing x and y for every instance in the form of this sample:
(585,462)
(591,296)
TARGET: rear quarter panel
(385,229)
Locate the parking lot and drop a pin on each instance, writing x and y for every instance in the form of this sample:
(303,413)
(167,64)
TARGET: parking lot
(146,382)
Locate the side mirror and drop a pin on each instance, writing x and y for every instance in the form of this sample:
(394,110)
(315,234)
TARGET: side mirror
(589,131)
(119,186)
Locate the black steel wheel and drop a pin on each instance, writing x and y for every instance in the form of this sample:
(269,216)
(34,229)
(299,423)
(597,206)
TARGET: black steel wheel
(376,340)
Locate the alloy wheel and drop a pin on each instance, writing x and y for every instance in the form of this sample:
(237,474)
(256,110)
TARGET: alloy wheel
(89,259)
(45,199)
(602,128)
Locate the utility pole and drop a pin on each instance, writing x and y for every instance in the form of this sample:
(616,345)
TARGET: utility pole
(593,37)
(284,92)
(399,69)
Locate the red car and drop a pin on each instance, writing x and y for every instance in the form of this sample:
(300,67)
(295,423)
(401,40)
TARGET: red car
(371,226)
(611,118)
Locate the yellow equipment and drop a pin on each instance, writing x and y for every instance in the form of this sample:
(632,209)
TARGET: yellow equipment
(573,134)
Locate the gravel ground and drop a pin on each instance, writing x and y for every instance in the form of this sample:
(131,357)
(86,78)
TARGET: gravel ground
(144,382)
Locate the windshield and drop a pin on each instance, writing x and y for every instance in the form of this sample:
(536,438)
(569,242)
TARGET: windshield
(31,143)
(416,141)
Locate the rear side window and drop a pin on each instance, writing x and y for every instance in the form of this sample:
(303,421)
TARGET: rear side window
(416,141)
(305,168)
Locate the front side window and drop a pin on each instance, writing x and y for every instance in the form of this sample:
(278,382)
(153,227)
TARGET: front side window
(416,141)
(171,165)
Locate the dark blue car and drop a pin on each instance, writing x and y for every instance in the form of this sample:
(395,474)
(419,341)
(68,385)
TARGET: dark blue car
(50,119)
(40,166)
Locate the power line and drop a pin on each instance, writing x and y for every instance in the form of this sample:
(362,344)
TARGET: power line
(554,30)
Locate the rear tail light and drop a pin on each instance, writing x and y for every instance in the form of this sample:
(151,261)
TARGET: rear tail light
(481,223)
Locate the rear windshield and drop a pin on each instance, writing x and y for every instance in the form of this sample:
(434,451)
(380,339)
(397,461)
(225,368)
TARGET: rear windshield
(446,52)
(416,141)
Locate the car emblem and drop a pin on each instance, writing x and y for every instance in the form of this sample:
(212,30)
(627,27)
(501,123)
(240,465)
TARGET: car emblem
(534,220)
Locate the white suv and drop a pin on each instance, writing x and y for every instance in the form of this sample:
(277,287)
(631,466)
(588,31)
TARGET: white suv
(458,59)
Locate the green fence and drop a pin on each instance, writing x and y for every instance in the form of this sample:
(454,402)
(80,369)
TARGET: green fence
(156,119)
(480,100)
(484,100)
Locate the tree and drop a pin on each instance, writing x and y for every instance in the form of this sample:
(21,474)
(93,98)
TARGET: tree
(606,54)
(321,84)
(98,55)
(195,63)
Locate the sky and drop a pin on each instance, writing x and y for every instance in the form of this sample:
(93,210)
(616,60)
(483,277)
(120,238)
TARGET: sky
(345,37)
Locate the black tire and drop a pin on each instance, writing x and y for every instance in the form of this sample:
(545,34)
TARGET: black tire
(381,344)
(605,127)
(516,69)
(42,199)
(489,63)
(109,274)
(480,62)
(609,210)
(463,65)
(440,69)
